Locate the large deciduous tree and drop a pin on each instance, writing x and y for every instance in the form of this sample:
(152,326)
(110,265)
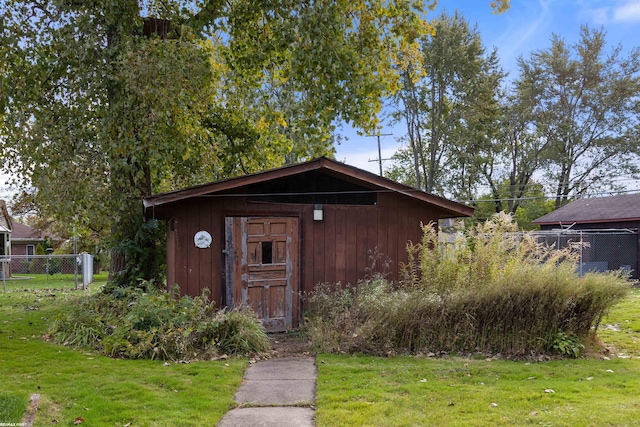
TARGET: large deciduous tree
(107,101)
(507,161)
(443,100)
(584,99)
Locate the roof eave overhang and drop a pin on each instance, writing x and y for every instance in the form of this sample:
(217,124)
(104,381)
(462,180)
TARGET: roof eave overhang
(450,209)
(18,240)
(585,221)
(220,186)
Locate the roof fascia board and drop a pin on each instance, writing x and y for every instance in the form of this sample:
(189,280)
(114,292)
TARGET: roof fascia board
(343,170)
(586,221)
(227,184)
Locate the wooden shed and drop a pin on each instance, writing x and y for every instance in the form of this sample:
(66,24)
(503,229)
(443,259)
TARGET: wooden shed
(264,239)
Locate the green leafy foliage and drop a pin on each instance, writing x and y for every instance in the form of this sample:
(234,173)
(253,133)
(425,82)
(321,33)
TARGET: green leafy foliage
(583,101)
(568,121)
(448,100)
(530,204)
(489,292)
(132,323)
(119,99)
(565,344)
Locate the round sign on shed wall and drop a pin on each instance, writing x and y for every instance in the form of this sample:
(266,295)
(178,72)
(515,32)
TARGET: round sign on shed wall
(202,239)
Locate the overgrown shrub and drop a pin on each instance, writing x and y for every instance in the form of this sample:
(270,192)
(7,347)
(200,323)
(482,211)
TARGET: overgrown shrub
(490,291)
(150,323)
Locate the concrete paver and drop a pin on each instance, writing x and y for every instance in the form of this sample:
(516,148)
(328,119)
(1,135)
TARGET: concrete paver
(283,368)
(276,390)
(269,417)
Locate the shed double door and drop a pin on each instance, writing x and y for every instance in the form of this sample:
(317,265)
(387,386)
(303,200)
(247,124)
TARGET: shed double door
(262,268)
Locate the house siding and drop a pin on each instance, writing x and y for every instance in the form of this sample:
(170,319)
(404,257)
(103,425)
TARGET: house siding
(336,249)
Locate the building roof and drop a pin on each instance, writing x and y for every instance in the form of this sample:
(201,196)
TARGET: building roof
(22,232)
(5,220)
(324,165)
(595,210)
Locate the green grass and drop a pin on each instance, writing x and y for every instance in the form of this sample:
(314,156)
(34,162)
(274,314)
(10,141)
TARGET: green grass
(620,330)
(352,390)
(22,282)
(12,406)
(411,391)
(103,391)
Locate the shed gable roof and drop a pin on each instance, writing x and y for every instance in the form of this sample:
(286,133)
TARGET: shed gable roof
(323,165)
(594,210)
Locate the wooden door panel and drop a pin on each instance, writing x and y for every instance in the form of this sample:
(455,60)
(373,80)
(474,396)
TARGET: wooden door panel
(278,228)
(277,301)
(255,300)
(265,277)
(280,253)
(272,276)
(254,229)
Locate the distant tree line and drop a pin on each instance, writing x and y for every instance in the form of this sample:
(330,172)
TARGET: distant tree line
(567,125)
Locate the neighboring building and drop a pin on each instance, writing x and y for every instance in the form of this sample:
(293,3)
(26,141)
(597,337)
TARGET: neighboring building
(18,239)
(265,239)
(24,240)
(608,224)
(6,226)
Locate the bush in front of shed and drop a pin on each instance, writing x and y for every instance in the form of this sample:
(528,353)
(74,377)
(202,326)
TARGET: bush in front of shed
(491,291)
(157,325)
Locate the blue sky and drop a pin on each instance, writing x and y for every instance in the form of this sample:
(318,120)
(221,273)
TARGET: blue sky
(524,28)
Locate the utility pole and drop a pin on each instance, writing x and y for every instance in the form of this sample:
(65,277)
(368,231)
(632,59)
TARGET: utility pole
(379,159)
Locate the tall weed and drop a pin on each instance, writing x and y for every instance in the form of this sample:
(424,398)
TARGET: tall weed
(158,325)
(491,291)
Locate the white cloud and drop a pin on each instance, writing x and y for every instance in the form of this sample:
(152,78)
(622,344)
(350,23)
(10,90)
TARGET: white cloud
(600,16)
(628,12)
(524,27)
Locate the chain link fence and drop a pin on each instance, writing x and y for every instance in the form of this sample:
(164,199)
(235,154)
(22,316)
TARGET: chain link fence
(42,271)
(606,250)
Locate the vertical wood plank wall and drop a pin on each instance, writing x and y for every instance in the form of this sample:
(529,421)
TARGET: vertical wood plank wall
(336,249)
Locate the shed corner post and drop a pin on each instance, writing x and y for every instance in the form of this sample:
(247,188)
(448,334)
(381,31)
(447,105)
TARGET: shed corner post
(228,262)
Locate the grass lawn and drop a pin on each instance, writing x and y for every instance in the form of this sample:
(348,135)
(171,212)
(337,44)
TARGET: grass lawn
(620,330)
(103,391)
(352,390)
(22,282)
(419,391)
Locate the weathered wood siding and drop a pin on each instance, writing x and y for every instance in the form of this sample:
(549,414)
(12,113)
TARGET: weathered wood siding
(335,249)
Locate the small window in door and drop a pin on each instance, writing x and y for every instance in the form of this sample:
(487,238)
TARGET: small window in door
(267,253)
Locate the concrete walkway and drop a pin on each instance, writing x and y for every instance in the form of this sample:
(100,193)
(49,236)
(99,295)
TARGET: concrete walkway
(276,393)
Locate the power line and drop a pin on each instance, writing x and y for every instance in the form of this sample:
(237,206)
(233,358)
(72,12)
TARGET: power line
(583,196)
